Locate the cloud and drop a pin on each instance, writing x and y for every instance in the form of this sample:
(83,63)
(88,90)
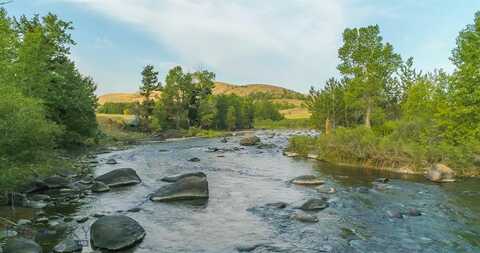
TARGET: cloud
(292,43)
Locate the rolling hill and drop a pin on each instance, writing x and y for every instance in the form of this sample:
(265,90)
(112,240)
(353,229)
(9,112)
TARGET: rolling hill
(220,88)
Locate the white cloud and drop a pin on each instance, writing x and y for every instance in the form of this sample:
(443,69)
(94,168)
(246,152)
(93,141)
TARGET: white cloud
(293,43)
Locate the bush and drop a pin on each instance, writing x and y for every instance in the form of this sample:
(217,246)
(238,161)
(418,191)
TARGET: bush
(25,133)
(303,145)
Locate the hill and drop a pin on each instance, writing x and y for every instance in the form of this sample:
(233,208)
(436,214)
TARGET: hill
(220,88)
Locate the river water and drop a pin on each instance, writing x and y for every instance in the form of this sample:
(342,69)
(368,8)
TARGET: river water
(242,182)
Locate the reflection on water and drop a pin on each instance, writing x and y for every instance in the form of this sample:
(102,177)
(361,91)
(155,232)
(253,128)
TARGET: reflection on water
(243,181)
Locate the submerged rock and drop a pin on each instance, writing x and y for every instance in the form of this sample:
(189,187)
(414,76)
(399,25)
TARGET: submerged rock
(120,177)
(440,173)
(56,182)
(250,140)
(99,187)
(194,159)
(185,188)
(304,217)
(279,205)
(22,245)
(382,180)
(314,205)
(307,180)
(394,214)
(413,212)
(175,178)
(116,232)
(327,190)
(68,245)
(111,161)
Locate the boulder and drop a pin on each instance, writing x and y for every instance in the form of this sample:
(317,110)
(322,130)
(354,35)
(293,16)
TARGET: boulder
(382,180)
(327,190)
(175,178)
(56,182)
(314,205)
(312,156)
(21,245)
(99,187)
(394,214)
(116,232)
(278,205)
(290,154)
(185,188)
(307,180)
(250,140)
(266,146)
(34,186)
(440,173)
(120,177)
(304,217)
(68,245)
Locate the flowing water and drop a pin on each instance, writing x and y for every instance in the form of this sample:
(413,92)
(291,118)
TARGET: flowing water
(242,182)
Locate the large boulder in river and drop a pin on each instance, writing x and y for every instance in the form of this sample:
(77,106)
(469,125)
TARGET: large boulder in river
(22,245)
(440,173)
(250,140)
(314,205)
(116,232)
(185,188)
(175,178)
(69,245)
(307,180)
(99,187)
(119,177)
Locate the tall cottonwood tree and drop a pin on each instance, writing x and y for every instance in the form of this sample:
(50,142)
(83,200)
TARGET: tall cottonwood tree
(368,65)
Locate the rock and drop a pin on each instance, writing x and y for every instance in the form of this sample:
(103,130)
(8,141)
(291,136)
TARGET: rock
(312,156)
(69,245)
(279,205)
(67,174)
(303,217)
(194,159)
(394,214)
(99,187)
(185,188)
(56,182)
(266,146)
(363,189)
(111,161)
(290,154)
(327,190)
(175,178)
(116,232)
(120,177)
(307,180)
(81,219)
(34,186)
(314,205)
(134,210)
(37,204)
(21,245)
(24,222)
(440,173)
(41,220)
(413,212)
(40,197)
(7,233)
(382,180)
(224,140)
(250,140)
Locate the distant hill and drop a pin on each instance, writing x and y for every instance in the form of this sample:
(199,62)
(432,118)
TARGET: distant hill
(220,88)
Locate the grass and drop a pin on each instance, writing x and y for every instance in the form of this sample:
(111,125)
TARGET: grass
(300,123)
(296,113)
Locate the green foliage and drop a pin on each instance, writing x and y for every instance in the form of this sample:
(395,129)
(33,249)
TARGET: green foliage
(116,108)
(283,124)
(25,133)
(303,145)
(231,118)
(150,84)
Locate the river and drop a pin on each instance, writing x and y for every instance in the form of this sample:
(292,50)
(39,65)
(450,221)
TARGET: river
(242,182)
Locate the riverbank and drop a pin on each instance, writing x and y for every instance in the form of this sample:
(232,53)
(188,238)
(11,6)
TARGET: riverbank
(362,148)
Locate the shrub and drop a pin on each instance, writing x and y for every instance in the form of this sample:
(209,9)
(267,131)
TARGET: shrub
(25,133)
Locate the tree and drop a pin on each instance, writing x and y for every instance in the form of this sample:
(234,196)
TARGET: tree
(464,92)
(231,118)
(150,84)
(368,65)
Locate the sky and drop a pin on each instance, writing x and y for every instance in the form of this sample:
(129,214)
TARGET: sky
(291,43)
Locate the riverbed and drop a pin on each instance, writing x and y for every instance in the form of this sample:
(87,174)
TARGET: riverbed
(363,214)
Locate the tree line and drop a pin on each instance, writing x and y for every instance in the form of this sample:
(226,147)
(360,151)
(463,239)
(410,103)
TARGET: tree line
(44,101)
(437,113)
(187,101)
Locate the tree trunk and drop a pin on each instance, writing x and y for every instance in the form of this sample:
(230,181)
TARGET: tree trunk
(328,126)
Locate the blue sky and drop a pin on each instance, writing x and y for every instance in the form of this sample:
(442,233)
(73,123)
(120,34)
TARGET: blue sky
(292,43)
